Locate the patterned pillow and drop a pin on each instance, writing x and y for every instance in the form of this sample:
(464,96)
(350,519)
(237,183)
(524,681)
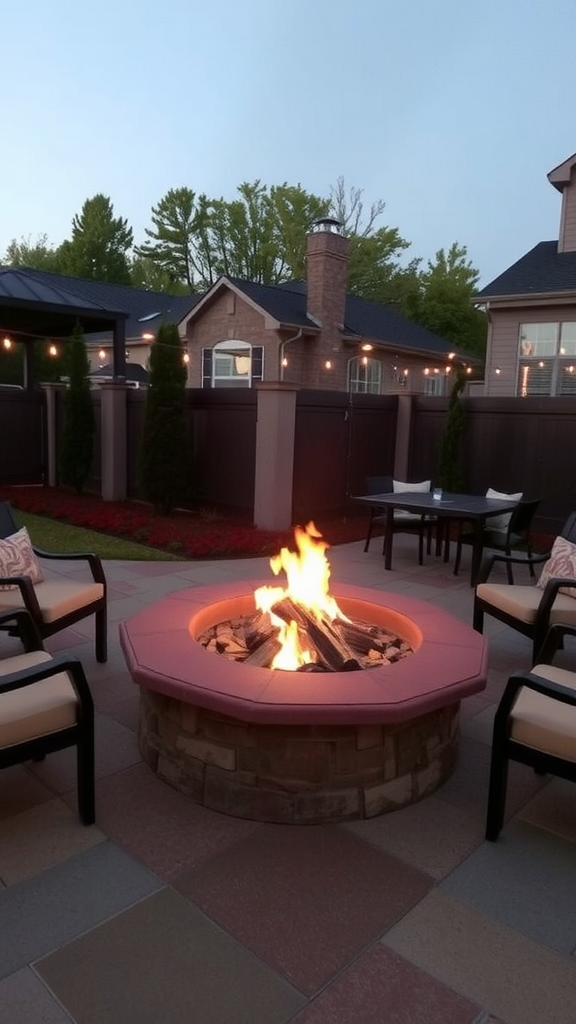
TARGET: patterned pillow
(18,559)
(500,523)
(562,562)
(399,486)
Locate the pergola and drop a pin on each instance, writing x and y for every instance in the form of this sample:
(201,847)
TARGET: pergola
(30,309)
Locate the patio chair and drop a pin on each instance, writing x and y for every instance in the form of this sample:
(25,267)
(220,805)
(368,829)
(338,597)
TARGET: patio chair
(404,522)
(52,604)
(516,536)
(535,723)
(532,609)
(46,705)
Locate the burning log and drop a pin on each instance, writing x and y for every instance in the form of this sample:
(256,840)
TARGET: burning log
(332,650)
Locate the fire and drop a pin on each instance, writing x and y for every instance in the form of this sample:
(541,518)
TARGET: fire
(308,574)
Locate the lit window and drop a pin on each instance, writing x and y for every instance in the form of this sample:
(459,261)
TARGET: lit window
(546,354)
(364,376)
(232,364)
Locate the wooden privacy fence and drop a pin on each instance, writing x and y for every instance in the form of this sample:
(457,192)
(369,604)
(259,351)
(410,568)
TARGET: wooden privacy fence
(511,444)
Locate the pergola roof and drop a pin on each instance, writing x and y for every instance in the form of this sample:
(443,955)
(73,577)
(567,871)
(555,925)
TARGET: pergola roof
(32,309)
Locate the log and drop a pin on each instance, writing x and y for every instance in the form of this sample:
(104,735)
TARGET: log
(332,651)
(263,655)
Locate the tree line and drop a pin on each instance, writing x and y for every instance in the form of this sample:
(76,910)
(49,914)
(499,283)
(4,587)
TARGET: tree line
(260,236)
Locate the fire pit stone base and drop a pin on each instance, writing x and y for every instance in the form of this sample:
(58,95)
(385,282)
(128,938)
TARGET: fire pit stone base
(296,774)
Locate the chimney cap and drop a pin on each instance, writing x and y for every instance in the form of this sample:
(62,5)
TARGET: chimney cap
(327,224)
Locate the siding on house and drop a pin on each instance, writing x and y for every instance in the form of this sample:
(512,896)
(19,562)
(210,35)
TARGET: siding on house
(567,240)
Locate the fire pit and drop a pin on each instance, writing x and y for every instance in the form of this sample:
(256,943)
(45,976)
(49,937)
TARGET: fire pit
(294,747)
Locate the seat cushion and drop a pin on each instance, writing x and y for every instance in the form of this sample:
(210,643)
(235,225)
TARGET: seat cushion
(522,602)
(543,723)
(56,597)
(40,708)
(17,558)
(500,523)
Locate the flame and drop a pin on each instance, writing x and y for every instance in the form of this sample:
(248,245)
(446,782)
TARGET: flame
(307,574)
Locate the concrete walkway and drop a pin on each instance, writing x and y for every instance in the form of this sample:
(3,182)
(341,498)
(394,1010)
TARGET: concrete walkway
(167,913)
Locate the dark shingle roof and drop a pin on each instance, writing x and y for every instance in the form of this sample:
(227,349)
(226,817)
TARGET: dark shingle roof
(543,269)
(371,320)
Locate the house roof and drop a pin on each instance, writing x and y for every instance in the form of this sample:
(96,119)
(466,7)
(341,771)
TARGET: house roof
(543,270)
(286,303)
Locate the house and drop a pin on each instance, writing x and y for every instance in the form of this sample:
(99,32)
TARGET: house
(531,310)
(311,334)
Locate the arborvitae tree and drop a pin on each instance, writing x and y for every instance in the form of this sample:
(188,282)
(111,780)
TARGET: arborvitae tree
(164,456)
(449,473)
(78,436)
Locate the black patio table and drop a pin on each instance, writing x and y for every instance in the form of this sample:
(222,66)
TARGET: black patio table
(474,507)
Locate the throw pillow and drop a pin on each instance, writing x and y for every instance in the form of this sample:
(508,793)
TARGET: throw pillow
(500,523)
(399,486)
(18,559)
(562,562)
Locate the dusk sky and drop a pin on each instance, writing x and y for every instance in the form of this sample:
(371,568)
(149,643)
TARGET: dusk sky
(451,111)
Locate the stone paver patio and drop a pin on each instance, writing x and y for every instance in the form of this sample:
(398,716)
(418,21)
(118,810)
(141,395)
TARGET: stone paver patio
(165,911)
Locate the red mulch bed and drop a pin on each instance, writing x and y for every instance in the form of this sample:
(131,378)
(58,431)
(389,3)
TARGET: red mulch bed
(185,534)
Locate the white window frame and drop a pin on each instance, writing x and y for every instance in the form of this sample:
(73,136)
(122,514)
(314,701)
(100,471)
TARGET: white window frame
(547,358)
(364,376)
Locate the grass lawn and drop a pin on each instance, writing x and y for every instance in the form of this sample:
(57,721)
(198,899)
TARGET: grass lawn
(66,539)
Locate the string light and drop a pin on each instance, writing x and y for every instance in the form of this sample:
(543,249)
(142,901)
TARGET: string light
(53,351)
(328,364)
(7,343)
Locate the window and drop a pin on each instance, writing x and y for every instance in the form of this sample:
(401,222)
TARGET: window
(232,364)
(547,359)
(364,376)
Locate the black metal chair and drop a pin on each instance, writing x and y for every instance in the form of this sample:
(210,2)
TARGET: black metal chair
(46,705)
(404,522)
(535,723)
(516,537)
(56,604)
(527,609)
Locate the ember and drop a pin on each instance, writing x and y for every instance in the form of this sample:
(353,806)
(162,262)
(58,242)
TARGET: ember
(300,627)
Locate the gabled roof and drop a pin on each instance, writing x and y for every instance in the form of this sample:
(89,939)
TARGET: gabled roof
(144,310)
(286,303)
(560,176)
(541,271)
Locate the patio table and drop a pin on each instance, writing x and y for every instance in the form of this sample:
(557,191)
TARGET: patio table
(476,508)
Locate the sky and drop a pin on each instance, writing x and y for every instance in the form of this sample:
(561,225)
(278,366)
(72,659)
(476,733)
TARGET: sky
(450,111)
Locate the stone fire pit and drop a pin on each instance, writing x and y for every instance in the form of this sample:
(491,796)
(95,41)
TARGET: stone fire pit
(297,747)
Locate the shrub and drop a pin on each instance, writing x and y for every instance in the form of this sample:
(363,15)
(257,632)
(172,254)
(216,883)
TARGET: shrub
(77,446)
(164,456)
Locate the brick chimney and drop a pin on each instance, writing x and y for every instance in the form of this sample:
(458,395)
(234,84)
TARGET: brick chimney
(327,273)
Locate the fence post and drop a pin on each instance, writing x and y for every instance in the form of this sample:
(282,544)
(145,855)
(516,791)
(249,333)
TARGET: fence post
(50,390)
(276,419)
(113,440)
(403,437)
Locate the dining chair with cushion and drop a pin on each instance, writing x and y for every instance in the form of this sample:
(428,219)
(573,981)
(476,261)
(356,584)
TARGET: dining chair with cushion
(531,609)
(404,522)
(53,604)
(516,535)
(46,705)
(535,724)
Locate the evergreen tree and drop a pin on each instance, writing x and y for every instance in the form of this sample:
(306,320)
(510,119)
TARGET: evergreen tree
(78,436)
(449,472)
(164,456)
(99,245)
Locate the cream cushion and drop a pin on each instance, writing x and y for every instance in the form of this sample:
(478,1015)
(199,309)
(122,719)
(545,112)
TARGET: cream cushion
(17,558)
(542,722)
(499,524)
(522,602)
(40,708)
(399,487)
(55,597)
(562,562)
